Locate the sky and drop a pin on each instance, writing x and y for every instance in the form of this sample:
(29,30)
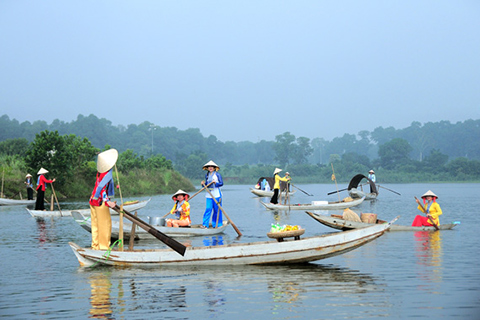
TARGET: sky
(242,70)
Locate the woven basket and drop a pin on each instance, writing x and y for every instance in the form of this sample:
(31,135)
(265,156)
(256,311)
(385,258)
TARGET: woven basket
(286,234)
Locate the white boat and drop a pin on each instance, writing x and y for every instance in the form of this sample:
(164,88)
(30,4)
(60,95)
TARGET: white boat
(14,202)
(356,193)
(336,222)
(315,205)
(193,230)
(269,194)
(130,205)
(257,253)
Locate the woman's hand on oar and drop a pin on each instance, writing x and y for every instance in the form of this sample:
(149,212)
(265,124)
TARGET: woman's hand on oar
(428,215)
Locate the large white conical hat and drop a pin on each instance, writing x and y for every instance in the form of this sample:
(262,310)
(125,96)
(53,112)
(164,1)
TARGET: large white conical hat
(106,160)
(180,191)
(277,170)
(211,164)
(42,171)
(429,193)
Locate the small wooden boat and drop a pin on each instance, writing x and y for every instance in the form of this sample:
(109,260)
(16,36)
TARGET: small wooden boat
(15,202)
(193,230)
(315,205)
(337,222)
(356,193)
(257,253)
(130,205)
(269,194)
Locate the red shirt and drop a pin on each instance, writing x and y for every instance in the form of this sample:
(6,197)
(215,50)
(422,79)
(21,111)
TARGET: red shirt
(42,181)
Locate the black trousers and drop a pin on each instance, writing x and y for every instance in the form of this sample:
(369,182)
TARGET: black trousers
(30,193)
(275,196)
(39,204)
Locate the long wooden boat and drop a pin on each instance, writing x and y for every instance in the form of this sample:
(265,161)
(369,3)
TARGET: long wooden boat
(264,193)
(130,206)
(193,230)
(15,202)
(315,205)
(337,222)
(257,253)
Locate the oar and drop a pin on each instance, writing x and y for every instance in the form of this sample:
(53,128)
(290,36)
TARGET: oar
(389,190)
(425,211)
(337,191)
(190,198)
(172,243)
(218,204)
(53,190)
(308,194)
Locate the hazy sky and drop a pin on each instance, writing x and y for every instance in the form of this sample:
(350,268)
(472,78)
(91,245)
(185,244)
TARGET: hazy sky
(242,70)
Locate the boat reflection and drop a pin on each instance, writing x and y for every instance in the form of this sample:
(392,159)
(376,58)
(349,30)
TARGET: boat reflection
(100,304)
(428,250)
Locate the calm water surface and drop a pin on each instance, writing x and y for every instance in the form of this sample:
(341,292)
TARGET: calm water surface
(400,275)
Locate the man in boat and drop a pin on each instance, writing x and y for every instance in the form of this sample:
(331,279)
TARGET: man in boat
(276,187)
(100,202)
(431,208)
(181,209)
(371,176)
(214,176)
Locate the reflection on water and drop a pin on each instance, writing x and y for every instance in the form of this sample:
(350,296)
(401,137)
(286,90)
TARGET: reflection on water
(428,250)
(213,241)
(214,297)
(101,306)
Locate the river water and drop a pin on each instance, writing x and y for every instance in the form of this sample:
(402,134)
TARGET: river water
(400,275)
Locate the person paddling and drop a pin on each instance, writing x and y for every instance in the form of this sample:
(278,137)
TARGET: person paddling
(431,208)
(181,209)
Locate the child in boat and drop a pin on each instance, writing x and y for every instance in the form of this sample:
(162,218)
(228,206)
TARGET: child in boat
(181,209)
(431,208)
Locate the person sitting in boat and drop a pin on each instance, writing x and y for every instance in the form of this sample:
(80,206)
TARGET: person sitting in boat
(276,186)
(41,186)
(29,183)
(100,202)
(181,209)
(431,208)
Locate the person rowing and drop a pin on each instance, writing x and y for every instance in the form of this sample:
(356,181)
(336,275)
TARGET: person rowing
(431,208)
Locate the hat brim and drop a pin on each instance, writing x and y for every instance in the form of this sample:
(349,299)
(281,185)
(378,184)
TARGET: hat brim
(106,160)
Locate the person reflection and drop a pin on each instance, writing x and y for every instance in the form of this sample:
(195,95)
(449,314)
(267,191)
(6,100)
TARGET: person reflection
(42,231)
(101,307)
(214,296)
(429,253)
(213,241)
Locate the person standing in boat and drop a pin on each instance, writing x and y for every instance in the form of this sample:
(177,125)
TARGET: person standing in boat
(276,186)
(41,186)
(181,209)
(431,208)
(214,176)
(371,176)
(100,202)
(29,183)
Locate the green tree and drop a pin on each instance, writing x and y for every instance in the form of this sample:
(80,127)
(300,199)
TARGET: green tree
(284,147)
(395,152)
(302,150)
(12,147)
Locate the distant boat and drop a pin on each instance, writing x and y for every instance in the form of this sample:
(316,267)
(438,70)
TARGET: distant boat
(315,205)
(130,205)
(356,193)
(14,202)
(268,192)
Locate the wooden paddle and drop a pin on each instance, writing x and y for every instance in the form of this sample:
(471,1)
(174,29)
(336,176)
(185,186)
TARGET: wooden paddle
(190,198)
(56,200)
(425,211)
(308,194)
(218,204)
(388,189)
(172,243)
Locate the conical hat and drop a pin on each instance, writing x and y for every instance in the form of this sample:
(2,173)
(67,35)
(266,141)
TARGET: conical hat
(106,160)
(429,193)
(180,191)
(42,171)
(277,170)
(371,171)
(28,175)
(210,164)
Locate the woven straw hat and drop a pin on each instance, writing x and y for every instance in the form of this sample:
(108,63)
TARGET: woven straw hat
(371,171)
(106,160)
(42,171)
(210,164)
(28,175)
(179,192)
(277,170)
(429,193)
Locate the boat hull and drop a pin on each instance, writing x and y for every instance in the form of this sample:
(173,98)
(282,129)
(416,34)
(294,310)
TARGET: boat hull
(342,224)
(263,193)
(86,212)
(356,194)
(14,202)
(260,253)
(338,205)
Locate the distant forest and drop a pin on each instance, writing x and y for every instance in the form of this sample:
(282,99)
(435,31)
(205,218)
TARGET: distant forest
(437,148)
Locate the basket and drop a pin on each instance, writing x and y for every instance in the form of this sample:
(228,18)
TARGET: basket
(286,234)
(369,218)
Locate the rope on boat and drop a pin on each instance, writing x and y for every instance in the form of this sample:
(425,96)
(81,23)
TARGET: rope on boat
(106,255)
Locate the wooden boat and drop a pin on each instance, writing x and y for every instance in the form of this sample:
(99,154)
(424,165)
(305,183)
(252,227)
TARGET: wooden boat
(257,253)
(337,222)
(315,205)
(193,230)
(269,194)
(15,202)
(356,193)
(131,206)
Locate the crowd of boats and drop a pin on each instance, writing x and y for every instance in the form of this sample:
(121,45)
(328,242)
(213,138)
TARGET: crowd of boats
(284,248)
